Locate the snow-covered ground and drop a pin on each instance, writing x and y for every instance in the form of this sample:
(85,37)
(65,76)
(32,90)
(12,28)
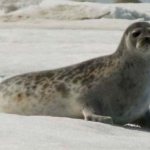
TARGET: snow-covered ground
(47,133)
(37,49)
(55,33)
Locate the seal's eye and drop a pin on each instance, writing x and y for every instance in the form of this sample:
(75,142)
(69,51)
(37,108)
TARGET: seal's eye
(135,34)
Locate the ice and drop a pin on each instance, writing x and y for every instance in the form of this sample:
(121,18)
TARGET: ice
(58,10)
(70,10)
(122,13)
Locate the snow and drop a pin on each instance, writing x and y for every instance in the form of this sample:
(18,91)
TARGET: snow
(48,34)
(41,133)
(39,49)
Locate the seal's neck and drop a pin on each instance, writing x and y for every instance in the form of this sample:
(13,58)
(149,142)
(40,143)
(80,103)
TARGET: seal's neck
(121,48)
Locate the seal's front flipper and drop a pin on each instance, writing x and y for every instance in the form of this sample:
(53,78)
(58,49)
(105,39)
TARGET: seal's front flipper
(90,116)
(144,120)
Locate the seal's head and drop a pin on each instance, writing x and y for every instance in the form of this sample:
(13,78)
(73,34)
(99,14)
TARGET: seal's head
(137,38)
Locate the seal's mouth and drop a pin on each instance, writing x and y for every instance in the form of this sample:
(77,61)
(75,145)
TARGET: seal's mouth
(143,43)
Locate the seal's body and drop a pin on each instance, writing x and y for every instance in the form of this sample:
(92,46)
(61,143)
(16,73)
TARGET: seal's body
(110,88)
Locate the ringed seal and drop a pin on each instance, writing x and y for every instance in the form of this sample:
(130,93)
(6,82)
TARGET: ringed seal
(114,88)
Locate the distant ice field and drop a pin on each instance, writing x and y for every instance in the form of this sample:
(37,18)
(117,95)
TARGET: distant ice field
(11,11)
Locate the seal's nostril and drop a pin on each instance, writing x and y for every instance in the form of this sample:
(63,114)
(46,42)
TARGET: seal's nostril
(147,39)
